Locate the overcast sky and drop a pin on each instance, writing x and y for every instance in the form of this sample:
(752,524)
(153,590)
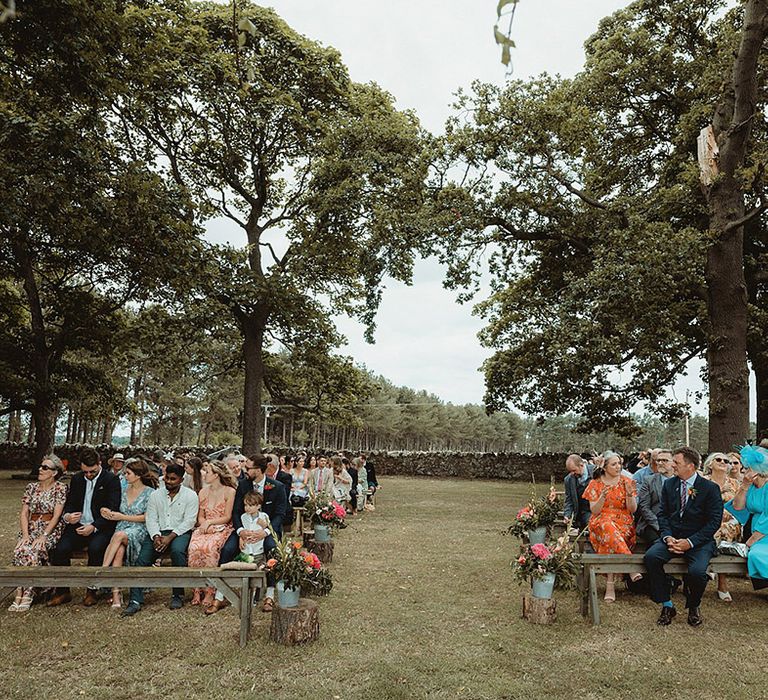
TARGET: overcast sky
(422,51)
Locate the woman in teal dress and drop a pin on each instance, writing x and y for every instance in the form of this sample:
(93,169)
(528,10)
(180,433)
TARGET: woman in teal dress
(753,494)
(131,530)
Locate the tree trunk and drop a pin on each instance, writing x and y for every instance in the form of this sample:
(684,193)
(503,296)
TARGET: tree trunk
(44,421)
(253,346)
(726,287)
(31,430)
(761,381)
(297,625)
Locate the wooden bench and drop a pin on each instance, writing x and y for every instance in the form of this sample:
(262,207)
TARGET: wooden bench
(594,564)
(297,526)
(238,586)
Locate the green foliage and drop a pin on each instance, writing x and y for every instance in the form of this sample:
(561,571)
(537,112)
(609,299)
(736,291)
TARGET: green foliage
(583,195)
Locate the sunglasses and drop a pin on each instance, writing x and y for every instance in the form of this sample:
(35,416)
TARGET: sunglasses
(720,459)
(47,468)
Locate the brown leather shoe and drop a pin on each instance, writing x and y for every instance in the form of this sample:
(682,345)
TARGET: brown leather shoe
(268,605)
(90,598)
(216,606)
(59,599)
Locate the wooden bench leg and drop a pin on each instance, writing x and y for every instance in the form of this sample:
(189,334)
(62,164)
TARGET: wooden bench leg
(246,607)
(593,599)
(583,588)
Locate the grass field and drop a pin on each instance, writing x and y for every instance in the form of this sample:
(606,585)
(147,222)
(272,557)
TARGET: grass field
(424,606)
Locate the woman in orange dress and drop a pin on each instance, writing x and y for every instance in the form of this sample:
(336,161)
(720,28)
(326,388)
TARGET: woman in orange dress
(214,522)
(613,500)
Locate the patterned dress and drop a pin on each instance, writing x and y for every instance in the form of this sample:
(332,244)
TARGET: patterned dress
(612,531)
(41,505)
(137,532)
(205,547)
(730,530)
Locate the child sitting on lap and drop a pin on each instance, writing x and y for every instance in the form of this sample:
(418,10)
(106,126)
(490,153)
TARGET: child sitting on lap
(253,519)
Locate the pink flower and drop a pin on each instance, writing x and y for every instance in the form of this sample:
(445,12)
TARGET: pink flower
(524,512)
(521,560)
(339,510)
(315,563)
(541,551)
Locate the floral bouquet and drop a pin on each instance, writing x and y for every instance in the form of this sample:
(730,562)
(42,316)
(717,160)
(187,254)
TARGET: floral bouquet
(298,568)
(539,559)
(541,511)
(323,510)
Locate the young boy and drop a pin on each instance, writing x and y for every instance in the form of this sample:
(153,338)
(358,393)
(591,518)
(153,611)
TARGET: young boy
(254,519)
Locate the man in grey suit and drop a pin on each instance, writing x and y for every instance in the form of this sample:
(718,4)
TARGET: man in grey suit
(649,495)
(576,480)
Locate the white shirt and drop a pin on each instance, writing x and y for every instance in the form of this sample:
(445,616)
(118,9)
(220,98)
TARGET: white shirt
(90,485)
(178,514)
(257,523)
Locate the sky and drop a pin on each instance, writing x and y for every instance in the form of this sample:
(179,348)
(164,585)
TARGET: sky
(422,51)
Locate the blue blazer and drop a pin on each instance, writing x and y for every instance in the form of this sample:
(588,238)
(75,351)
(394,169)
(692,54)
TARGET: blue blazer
(702,516)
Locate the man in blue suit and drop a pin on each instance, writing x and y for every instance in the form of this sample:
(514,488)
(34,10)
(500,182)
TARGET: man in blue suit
(691,512)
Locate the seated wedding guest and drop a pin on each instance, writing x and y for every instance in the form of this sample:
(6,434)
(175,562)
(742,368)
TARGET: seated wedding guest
(214,523)
(649,496)
(370,469)
(90,490)
(352,470)
(717,467)
(576,507)
(116,464)
(650,467)
(736,470)
(691,513)
(253,520)
(299,483)
(156,463)
(170,518)
(235,467)
(362,483)
(753,497)
(322,479)
(275,505)
(612,499)
(342,481)
(285,479)
(40,523)
(131,531)
(193,474)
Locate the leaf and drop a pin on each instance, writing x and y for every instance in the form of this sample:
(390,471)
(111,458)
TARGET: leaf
(241,38)
(250,74)
(502,4)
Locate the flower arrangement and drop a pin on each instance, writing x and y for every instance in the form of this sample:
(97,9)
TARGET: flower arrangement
(540,511)
(323,510)
(298,568)
(539,559)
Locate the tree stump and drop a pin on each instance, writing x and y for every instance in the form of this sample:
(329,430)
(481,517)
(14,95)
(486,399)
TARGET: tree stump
(324,550)
(539,611)
(297,625)
(308,537)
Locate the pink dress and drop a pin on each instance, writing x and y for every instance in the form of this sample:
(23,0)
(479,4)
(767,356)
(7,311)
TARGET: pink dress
(204,548)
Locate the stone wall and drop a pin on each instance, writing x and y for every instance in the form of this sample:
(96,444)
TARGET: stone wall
(462,465)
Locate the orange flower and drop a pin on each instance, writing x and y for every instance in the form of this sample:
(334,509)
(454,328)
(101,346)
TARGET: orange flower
(271,562)
(297,545)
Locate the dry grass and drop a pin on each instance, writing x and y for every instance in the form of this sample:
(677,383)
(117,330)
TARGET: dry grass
(424,607)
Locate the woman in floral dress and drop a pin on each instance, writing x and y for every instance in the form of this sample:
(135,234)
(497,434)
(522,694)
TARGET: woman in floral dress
(131,530)
(214,523)
(40,523)
(613,500)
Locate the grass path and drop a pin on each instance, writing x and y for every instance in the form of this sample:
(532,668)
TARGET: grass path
(423,607)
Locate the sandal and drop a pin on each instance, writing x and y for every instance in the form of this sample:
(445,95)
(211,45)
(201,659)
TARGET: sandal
(117,600)
(15,604)
(26,603)
(610,593)
(267,605)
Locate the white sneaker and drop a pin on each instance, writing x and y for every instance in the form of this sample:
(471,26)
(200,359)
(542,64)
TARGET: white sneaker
(725,596)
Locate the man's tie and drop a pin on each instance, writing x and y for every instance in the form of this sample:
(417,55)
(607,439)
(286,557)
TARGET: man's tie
(683,495)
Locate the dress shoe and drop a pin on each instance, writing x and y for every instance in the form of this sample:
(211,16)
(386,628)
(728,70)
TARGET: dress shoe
(177,603)
(216,606)
(132,609)
(59,599)
(666,616)
(694,617)
(90,598)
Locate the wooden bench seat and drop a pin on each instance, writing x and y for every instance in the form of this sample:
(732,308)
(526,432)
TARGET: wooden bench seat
(594,564)
(238,586)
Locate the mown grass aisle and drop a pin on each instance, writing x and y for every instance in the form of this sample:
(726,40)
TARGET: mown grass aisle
(424,606)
